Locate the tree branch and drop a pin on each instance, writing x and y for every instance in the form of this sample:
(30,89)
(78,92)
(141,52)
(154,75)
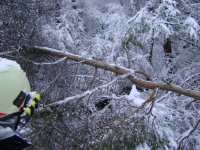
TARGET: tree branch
(88,92)
(119,70)
(187,136)
(189,42)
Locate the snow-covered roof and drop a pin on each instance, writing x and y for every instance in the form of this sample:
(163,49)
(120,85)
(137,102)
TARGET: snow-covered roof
(6,64)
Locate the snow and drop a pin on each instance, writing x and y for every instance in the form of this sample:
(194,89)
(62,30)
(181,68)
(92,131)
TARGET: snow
(135,97)
(143,147)
(169,6)
(107,28)
(192,27)
(23,130)
(6,64)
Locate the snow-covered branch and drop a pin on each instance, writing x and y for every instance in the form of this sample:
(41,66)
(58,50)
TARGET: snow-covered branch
(119,70)
(192,43)
(46,63)
(188,133)
(8,52)
(88,92)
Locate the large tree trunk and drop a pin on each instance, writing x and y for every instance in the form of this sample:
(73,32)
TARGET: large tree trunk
(119,70)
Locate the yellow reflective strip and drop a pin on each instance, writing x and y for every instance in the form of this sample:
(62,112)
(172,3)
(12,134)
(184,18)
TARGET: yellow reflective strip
(37,95)
(33,103)
(28,111)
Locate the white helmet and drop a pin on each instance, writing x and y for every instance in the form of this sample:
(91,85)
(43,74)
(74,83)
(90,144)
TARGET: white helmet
(13,80)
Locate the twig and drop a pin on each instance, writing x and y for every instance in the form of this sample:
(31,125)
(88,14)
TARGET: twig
(188,105)
(165,81)
(93,79)
(51,63)
(151,97)
(144,74)
(61,102)
(6,53)
(189,42)
(187,136)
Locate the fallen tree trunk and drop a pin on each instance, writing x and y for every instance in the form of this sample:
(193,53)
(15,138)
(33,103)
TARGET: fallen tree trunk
(119,70)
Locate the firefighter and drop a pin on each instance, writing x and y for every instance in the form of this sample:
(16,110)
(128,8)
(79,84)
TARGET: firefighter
(17,103)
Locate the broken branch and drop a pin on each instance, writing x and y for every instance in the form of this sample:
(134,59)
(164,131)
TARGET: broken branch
(119,70)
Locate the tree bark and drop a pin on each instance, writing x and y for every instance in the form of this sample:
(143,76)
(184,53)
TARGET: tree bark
(119,70)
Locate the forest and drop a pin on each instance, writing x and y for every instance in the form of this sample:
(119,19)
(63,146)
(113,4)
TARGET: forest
(112,74)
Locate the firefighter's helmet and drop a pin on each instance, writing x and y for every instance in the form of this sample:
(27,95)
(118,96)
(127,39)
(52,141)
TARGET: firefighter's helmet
(13,80)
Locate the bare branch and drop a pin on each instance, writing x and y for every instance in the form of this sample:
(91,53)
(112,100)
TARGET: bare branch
(121,71)
(93,79)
